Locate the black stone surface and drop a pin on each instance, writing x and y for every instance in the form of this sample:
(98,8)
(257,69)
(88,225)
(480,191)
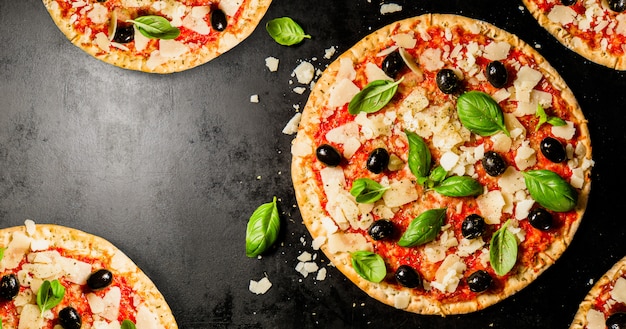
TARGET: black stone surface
(170,167)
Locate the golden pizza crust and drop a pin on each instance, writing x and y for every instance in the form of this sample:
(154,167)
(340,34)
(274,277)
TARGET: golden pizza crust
(616,271)
(80,243)
(252,13)
(310,197)
(595,55)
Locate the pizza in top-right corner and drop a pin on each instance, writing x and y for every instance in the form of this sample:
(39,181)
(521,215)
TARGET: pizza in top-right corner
(595,29)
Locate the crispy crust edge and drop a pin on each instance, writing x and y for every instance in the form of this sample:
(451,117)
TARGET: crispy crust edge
(83,243)
(248,22)
(308,196)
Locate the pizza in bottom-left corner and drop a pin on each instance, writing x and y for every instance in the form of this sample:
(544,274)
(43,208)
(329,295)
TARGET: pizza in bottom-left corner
(62,278)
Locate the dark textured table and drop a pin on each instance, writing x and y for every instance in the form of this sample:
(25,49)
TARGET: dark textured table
(170,167)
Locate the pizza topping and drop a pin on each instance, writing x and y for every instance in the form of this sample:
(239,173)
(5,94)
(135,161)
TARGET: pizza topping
(9,286)
(370,266)
(218,20)
(553,150)
(447,81)
(617,5)
(503,250)
(49,295)
(550,190)
(480,114)
(493,163)
(568,2)
(473,226)
(408,276)
(423,228)
(100,279)
(540,219)
(392,64)
(155,27)
(374,96)
(366,190)
(497,74)
(124,34)
(381,229)
(377,160)
(616,321)
(69,318)
(479,281)
(328,155)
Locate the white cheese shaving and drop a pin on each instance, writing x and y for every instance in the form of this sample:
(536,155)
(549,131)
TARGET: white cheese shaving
(272,63)
(595,319)
(260,287)
(373,72)
(449,274)
(342,92)
(619,290)
(562,15)
(401,300)
(347,242)
(404,40)
(145,319)
(497,51)
(400,193)
(292,126)
(490,205)
(230,7)
(566,132)
(389,8)
(304,72)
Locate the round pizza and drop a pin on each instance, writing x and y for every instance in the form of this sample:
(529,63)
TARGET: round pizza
(62,278)
(605,304)
(156,36)
(595,29)
(442,164)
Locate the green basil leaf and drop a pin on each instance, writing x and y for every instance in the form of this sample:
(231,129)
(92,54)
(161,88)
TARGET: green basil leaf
(543,118)
(368,265)
(2,253)
(423,228)
(367,190)
(49,295)
(437,175)
(419,155)
(127,324)
(503,250)
(480,114)
(459,186)
(374,96)
(550,190)
(155,27)
(262,230)
(285,31)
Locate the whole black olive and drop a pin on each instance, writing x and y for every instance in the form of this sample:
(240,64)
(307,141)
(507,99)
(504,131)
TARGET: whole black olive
(497,74)
(479,281)
(553,149)
(568,2)
(377,160)
(447,81)
(540,219)
(9,286)
(493,163)
(328,155)
(381,229)
(473,226)
(69,318)
(218,20)
(617,5)
(408,277)
(392,64)
(616,321)
(100,279)
(124,34)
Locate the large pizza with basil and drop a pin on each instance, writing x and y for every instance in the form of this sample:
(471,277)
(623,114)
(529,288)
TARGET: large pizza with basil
(605,303)
(156,36)
(595,29)
(57,277)
(442,164)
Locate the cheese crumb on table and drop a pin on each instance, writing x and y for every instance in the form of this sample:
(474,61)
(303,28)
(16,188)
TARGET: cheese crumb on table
(272,63)
(260,287)
(254,98)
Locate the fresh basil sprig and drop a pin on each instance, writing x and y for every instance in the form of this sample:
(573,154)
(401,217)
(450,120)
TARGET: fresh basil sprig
(480,114)
(459,186)
(127,324)
(367,190)
(155,27)
(262,229)
(503,250)
(543,118)
(374,96)
(436,176)
(285,31)
(419,155)
(423,228)
(49,295)
(550,190)
(370,266)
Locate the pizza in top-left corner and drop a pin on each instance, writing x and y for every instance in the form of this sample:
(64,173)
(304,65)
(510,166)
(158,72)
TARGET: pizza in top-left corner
(156,36)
